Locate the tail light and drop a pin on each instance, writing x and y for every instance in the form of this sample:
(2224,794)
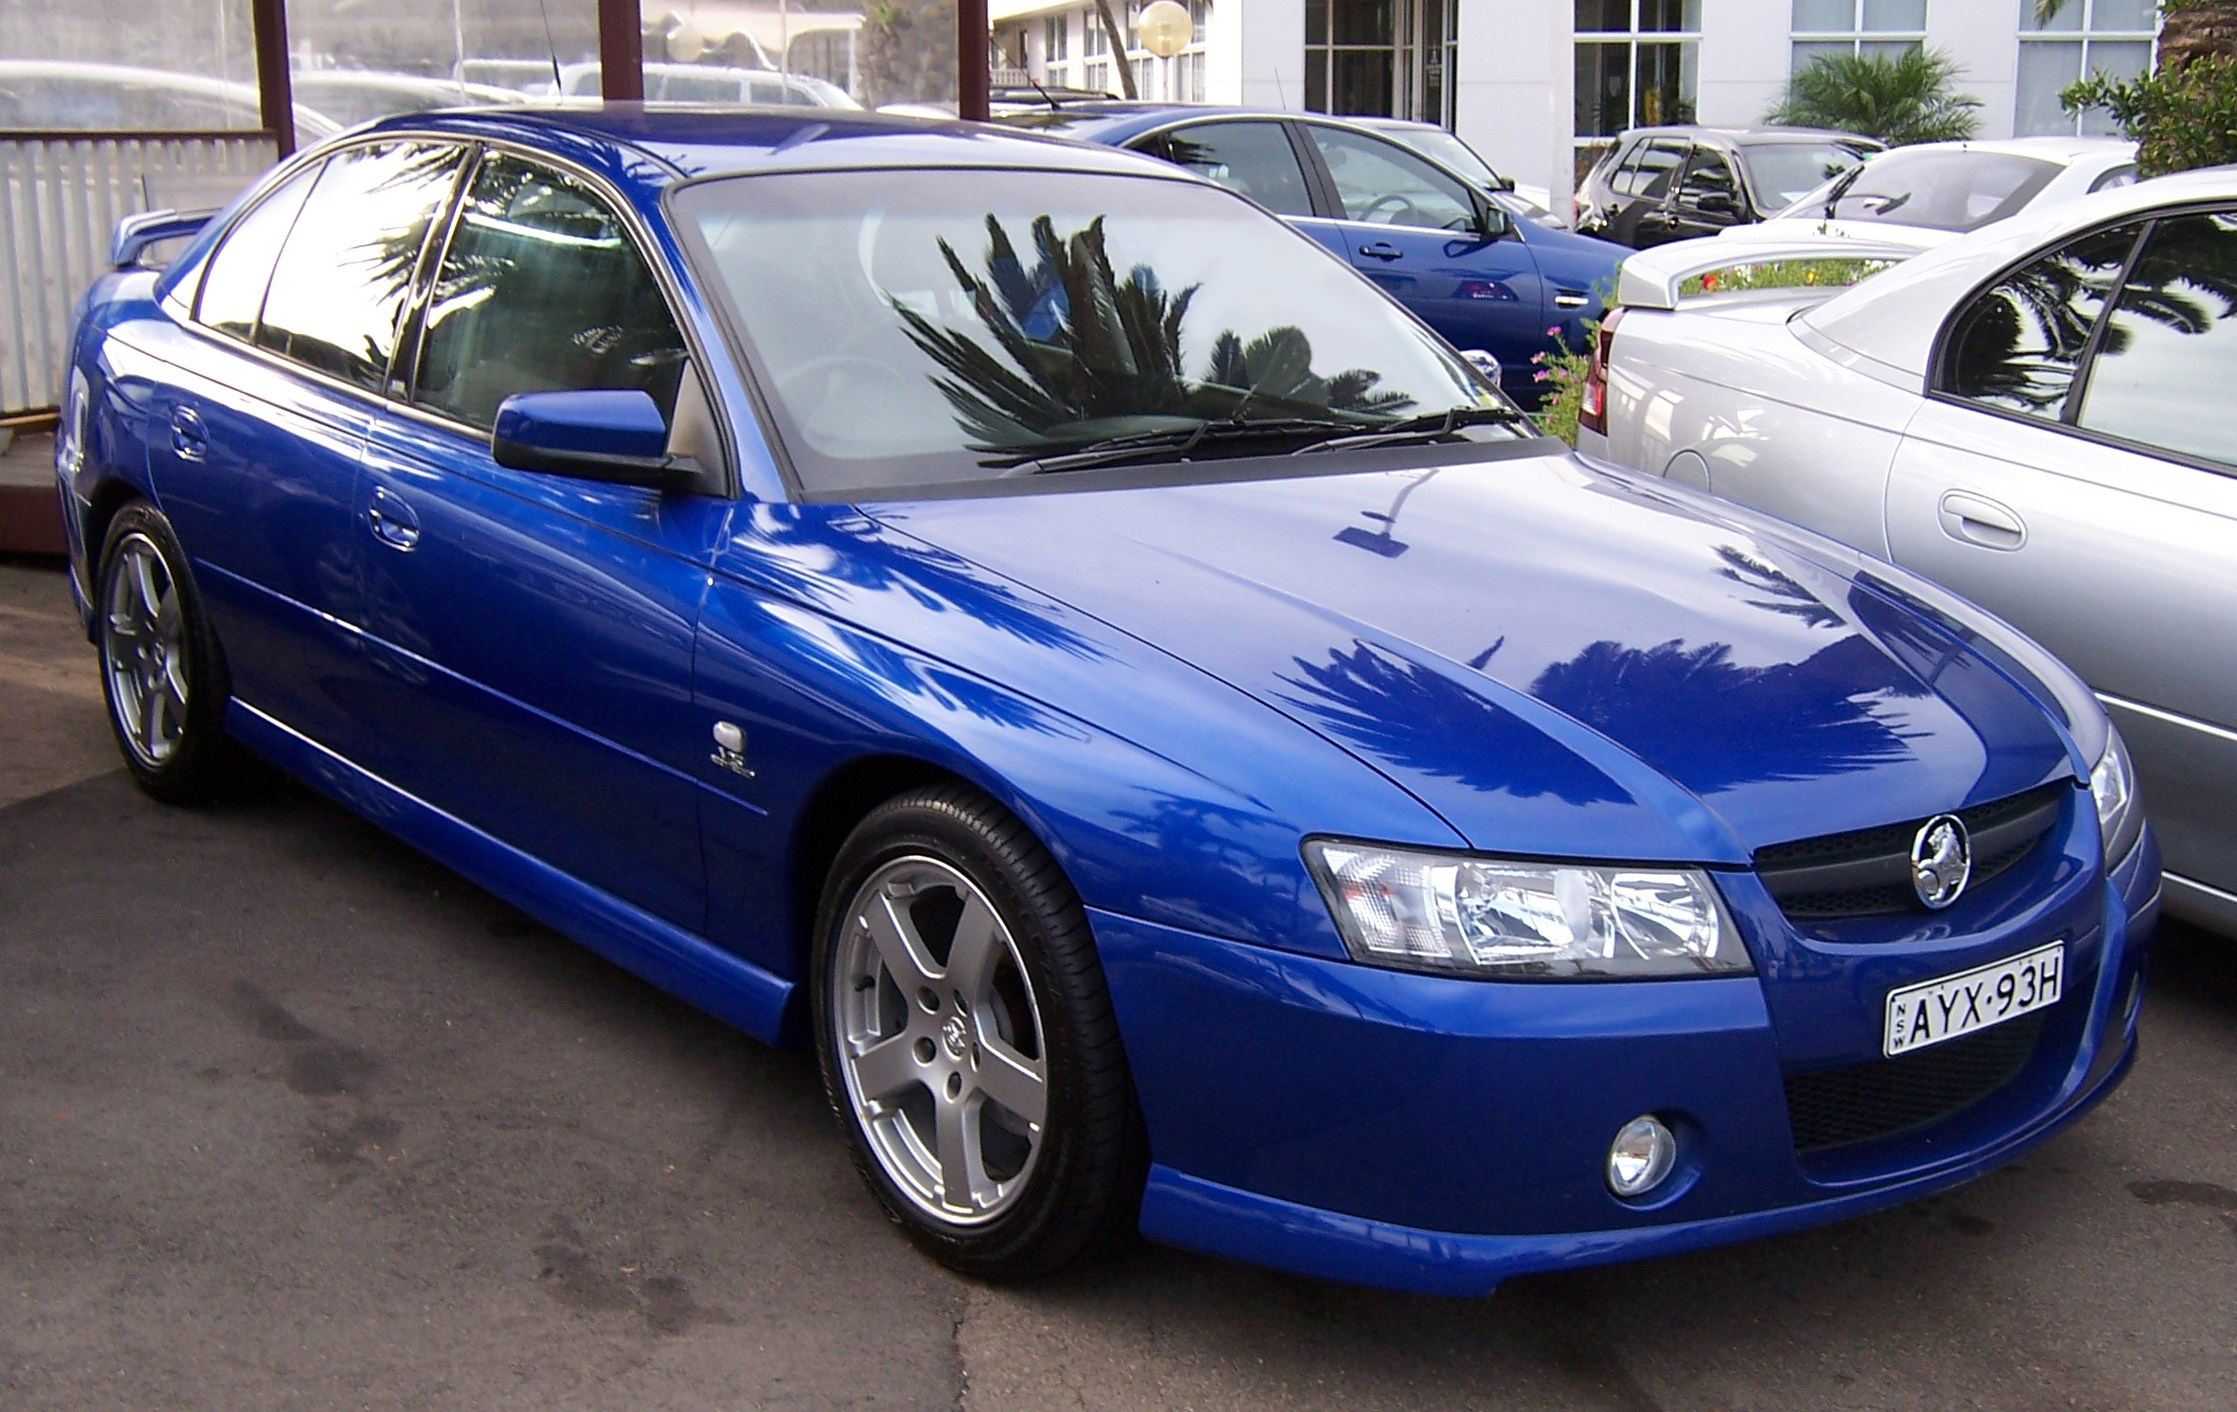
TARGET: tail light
(1592,413)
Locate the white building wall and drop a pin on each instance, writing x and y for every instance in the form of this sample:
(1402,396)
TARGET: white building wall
(1511,99)
(1746,49)
(1256,52)
(1983,36)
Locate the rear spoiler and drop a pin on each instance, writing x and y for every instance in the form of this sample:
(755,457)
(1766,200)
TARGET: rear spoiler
(136,233)
(1651,279)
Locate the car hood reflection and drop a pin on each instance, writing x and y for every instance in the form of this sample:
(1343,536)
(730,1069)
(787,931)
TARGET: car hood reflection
(1557,660)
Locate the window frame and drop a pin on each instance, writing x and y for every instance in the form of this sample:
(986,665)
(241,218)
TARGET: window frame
(1319,193)
(721,482)
(2146,221)
(1319,175)
(1632,39)
(2083,36)
(1857,35)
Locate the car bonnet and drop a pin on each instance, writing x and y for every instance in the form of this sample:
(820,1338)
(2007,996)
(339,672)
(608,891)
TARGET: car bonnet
(1557,659)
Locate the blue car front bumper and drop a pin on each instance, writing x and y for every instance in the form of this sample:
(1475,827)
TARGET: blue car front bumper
(1440,1135)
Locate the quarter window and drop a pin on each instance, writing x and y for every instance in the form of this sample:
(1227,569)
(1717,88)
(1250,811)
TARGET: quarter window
(233,289)
(542,290)
(1383,183)
(339,290)
(2162,369)
(2016,347)
(1253,159)
(1647,171)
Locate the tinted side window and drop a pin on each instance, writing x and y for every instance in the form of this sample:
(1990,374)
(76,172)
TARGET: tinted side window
(1648,172)
(2162,372)
(542,291)
(2016,346)
(1383,183)
(1254,159)
(1709,175)
(233,287)
(338,292)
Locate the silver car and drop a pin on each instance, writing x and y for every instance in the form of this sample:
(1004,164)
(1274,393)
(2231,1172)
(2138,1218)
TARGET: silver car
(2038,415)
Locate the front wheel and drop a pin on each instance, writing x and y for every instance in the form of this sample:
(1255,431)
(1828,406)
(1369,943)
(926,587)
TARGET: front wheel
(967,1041)
(160,667)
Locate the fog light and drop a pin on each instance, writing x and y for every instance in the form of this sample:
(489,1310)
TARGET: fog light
(1641,1156)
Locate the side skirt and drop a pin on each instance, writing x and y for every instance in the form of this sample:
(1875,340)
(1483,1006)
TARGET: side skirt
(732,990)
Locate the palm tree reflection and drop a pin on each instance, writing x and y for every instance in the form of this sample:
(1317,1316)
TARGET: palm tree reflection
(1078,353)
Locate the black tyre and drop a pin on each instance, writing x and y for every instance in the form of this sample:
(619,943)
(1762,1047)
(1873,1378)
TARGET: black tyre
(161,669)
(967,1041)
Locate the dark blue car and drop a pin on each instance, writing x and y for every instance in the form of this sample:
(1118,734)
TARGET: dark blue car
(1178,745)
(1433,240)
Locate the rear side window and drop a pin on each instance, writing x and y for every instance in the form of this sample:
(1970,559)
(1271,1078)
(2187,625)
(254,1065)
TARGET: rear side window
(2016,347)
(339,290)
(1383,183)
(233,287)
(2163,368)
(1253,159)
(542,291)
(1647,171)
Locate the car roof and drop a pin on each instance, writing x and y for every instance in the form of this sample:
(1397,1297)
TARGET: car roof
(1752,135)
(2064,149)
(686,141)
(1894,317)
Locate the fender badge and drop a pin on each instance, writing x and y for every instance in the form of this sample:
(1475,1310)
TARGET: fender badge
(730,749)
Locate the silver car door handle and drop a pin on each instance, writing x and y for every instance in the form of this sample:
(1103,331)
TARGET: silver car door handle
(1976,519)
(1381,250)
(1569,299)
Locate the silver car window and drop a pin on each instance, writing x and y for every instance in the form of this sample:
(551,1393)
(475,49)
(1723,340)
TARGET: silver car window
(2163,368)
(2016,347)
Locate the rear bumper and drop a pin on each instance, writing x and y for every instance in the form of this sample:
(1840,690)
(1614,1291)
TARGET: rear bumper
(1439,1136)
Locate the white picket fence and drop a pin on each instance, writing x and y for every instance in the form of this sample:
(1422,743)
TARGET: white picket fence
(60,200)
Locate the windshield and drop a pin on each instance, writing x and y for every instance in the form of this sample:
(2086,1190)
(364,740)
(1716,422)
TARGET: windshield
(1439,145)
(912,329)
(1944,190)
(1785,172)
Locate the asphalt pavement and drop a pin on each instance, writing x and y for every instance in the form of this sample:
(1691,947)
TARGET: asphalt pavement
(292,1117)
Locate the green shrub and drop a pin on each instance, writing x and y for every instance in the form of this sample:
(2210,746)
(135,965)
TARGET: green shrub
(2179,120)
(1900,100)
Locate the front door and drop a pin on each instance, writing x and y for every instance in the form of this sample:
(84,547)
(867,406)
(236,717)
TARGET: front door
(531,634)
(1415,230)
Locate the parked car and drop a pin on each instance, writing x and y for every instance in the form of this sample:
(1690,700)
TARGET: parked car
(1003,99)
(51,94)
(1430,238)
(352,96)
(1933,192)
(1660,184)
(2022,414)
(716,83)
(1445,147)
(1178,744)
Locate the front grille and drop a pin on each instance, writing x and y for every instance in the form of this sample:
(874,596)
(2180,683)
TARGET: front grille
(1866,1102)
(1868,872)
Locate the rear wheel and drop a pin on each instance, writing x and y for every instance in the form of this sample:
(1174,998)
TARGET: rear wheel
(967,1041)
(160,667)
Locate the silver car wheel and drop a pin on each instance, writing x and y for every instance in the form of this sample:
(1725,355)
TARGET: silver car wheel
(939,1040)
(143,651)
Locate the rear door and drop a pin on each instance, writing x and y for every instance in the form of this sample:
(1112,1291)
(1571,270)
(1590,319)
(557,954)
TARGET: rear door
(1415,229)
(1642,189)
(531,634)
(2073,471)
(1708,198)
(258,441)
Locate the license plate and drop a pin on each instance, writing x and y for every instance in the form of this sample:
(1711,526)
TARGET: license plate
(1932,1011)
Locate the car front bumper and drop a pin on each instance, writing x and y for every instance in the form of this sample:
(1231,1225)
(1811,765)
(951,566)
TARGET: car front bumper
(1440,1135)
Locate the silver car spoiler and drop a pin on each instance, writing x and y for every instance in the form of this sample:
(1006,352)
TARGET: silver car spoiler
(1651,279)
(135,233)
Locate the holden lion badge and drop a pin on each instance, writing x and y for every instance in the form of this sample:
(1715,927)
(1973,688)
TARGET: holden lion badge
(1941,860)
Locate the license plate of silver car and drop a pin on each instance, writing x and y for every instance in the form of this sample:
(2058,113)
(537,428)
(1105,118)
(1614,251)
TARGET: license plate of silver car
(1937,1010)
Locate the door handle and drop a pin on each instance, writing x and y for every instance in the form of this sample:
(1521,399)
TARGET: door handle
(392,521)
(1976,519)
(1380,250)
(189,439)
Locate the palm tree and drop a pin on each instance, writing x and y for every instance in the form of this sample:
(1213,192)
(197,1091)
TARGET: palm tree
(1075,346)
(1901,100)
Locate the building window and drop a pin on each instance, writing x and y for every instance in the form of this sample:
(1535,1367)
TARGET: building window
(2086,36)
(1056,35)
(1872,29)
(1638,63)
(1380,58)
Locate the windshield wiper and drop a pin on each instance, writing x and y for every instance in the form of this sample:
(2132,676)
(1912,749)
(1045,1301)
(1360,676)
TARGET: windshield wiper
(1174,443)
(1430,426)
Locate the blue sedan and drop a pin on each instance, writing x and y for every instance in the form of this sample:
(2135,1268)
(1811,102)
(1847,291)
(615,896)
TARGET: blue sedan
(1179,746)
(1430,238)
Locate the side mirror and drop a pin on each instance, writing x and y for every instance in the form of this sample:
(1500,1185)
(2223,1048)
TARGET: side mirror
(1491,221)
(1483,362)
(611,435)
(1716,203)
(1500,181)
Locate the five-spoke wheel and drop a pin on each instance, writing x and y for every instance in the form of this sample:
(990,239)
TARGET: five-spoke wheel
(160,666)
(967,1040)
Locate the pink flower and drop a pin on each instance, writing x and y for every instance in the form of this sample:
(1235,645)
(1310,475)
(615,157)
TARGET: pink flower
(1540,376)
(1554,331)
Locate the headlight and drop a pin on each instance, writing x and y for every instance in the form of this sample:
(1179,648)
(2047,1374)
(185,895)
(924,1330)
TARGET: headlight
(2113,785)
(1501,920)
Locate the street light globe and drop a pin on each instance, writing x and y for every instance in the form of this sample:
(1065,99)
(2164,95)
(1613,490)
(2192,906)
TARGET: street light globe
(1165,28)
